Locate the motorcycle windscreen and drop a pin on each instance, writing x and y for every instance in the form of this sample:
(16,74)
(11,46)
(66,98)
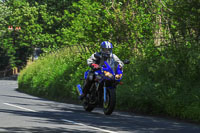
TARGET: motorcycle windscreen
(113,65)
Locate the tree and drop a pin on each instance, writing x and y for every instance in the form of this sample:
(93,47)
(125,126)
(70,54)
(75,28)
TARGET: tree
(4,13)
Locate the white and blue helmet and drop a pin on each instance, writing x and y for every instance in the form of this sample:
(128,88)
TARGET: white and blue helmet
(106,47)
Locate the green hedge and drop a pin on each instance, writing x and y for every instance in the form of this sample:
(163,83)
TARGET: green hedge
(155,84)
(152,84)
(53,76)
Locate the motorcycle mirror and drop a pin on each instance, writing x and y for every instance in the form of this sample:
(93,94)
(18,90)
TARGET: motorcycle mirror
(126,61)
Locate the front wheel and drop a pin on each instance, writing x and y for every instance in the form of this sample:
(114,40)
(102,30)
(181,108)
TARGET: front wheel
(109,105)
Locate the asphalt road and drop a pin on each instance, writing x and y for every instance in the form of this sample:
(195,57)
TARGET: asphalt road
(20,112)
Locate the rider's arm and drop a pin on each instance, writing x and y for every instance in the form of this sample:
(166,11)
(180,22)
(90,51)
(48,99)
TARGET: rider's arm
(91,60)
(118,60)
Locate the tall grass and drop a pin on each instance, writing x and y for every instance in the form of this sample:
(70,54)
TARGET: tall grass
(54,75)
(154,85)
(150,86)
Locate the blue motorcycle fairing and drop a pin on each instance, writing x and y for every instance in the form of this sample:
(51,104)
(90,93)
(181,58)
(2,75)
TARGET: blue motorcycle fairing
(118,71)
(80,89)
(107,68)
(86,74)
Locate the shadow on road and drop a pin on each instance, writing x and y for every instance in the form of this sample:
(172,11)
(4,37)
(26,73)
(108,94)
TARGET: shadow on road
(115,122)
(50,112)
(13,77)
(21,97)
(41,130)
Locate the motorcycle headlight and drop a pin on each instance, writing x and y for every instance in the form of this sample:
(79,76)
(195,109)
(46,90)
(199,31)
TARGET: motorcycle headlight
(118,76)
(108,74)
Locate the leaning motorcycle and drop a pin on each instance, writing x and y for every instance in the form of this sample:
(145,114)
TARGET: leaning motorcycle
(102,92)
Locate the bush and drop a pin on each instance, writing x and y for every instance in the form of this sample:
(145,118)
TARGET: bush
(163,77)
(53,76)
(156,84)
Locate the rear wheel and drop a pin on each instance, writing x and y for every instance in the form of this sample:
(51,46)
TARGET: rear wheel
(109,105)
(87,106)
(89,101)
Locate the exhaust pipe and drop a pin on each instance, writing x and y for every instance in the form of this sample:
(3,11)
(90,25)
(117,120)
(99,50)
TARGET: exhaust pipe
(79,89)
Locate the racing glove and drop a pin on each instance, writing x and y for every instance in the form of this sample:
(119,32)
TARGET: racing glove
(95,66)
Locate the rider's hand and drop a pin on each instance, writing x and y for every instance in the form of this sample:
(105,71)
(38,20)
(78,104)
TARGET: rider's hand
(95,66)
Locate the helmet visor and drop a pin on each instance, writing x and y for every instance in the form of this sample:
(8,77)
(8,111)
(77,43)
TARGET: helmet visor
(107,50)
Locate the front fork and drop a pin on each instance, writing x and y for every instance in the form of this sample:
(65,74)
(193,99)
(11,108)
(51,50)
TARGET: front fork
(104,91)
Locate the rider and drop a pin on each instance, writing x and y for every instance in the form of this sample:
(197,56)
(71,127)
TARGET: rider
(94,63)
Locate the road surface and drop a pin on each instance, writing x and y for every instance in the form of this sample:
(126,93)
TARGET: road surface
(23,113)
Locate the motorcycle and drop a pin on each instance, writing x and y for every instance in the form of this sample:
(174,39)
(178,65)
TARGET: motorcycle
(103,90)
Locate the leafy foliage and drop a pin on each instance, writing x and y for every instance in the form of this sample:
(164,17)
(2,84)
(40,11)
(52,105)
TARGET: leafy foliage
(4,13)
(161,38)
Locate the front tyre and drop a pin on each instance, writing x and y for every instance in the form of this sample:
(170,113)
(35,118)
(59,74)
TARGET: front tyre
(109,105)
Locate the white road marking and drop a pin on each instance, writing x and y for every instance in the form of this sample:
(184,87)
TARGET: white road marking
(73,122)
(19,107)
